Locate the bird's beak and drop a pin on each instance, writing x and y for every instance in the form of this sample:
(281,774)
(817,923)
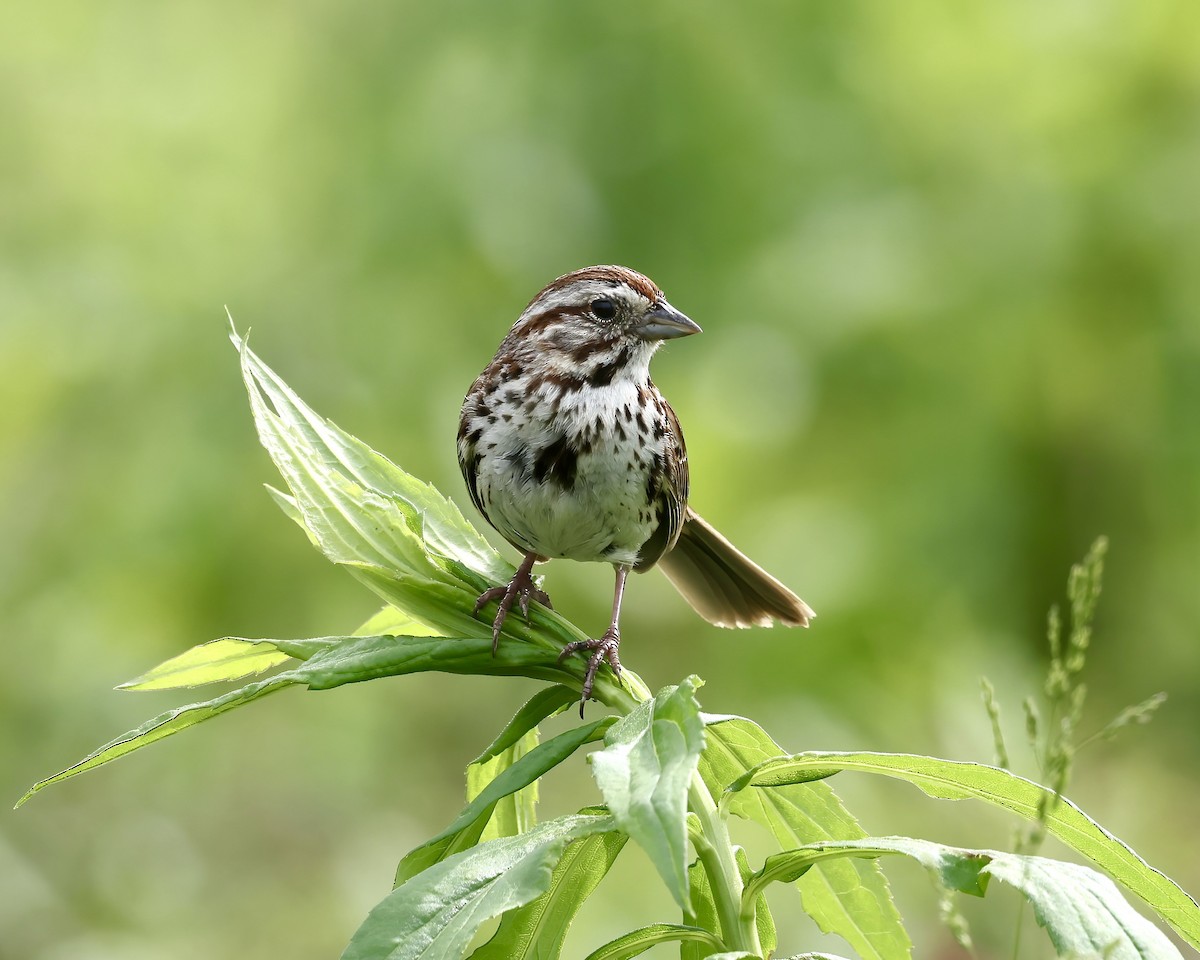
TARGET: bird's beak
(664,322)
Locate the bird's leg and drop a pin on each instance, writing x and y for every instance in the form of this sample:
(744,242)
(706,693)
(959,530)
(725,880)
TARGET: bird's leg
(520,589)
(603,649)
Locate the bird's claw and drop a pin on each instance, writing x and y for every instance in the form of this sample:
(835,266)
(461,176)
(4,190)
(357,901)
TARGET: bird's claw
(520,589)
(603,649)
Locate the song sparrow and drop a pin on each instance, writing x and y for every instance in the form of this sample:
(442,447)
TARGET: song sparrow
(569,450)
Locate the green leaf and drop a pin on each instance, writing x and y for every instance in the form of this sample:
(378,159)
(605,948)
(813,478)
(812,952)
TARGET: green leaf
(164,725)
(537,930)
(1081,910)
(703,914)
(515,812)
(391,620)
(639,941)
(317,457)
(847,898)
(230,658)
(956,780)
(465,831)
(435,915)
(644,773)
(763,920)
(545,703)
(331,662)
(398,535)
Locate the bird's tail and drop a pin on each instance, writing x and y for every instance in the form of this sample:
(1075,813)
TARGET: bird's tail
(725,586)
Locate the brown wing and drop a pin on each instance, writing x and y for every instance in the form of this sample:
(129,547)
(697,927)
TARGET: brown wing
(468,459)
(671,494)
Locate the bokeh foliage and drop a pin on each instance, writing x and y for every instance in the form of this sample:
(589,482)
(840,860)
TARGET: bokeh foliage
(944,255)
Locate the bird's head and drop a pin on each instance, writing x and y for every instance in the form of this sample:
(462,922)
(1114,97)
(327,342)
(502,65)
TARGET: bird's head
(599,311)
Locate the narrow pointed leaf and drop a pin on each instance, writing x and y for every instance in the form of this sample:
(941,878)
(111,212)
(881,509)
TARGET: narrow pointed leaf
(165,725)
(545,703)
(848,898)
(955,780)
(538,930)
(516,811)
(435,915)
(644,773)
(230,658)
(639,941)
(469,825)
(332,662)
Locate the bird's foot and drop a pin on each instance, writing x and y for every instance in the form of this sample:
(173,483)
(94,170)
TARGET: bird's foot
(603,649)
(520,590)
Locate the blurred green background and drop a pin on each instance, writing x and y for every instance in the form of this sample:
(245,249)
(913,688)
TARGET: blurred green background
(945,256)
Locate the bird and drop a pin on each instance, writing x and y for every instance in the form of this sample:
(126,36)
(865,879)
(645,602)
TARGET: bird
(570,452)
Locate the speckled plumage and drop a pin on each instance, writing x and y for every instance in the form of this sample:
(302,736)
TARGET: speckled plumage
(567,447)
(570,451)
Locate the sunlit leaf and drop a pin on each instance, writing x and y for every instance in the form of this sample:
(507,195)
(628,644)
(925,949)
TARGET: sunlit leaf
(323,464)
(230,658)
(516,811)
(644,773)
(391,620)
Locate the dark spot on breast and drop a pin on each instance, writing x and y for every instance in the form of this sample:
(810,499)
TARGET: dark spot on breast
(620,429)
(474,435)
(628,413)
(603,373)
(641,421)
(556,463)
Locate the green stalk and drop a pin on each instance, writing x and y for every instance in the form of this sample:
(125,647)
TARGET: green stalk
(715,850)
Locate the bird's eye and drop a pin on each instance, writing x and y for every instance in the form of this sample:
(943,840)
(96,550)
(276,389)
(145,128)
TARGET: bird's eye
(604,308)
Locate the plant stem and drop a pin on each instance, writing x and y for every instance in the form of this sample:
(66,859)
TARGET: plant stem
(715,850)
